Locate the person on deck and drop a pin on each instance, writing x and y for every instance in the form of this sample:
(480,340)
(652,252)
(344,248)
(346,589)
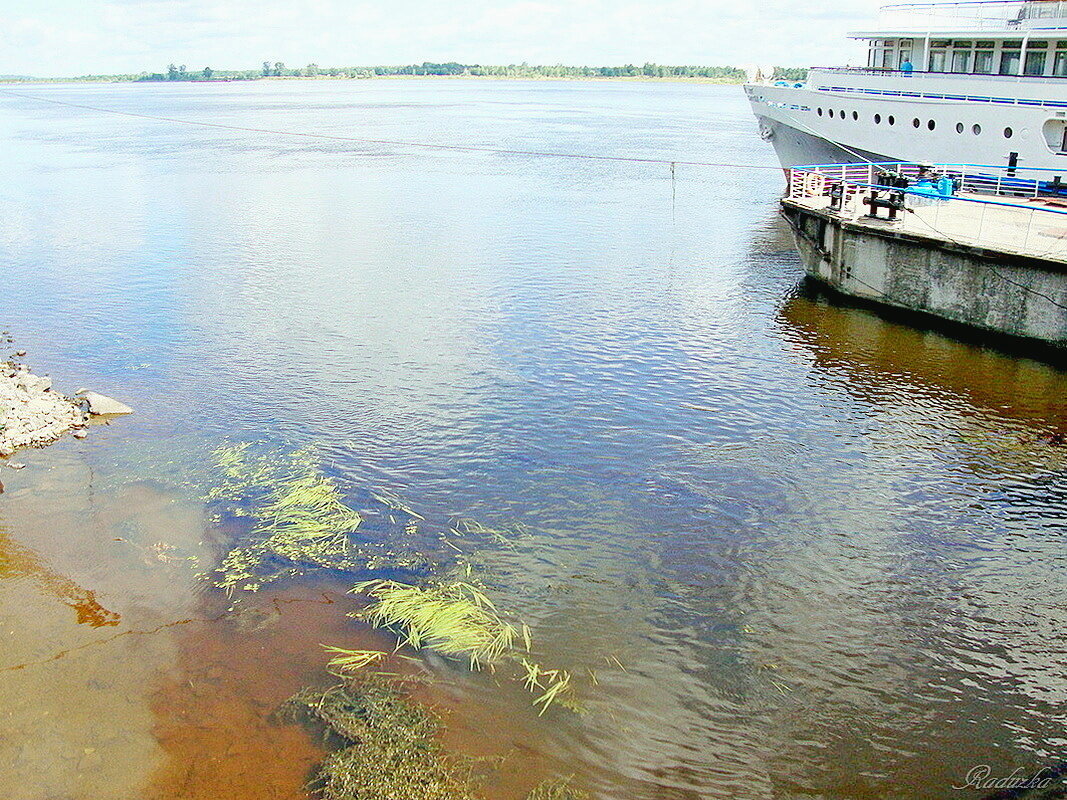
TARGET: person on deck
(907,67)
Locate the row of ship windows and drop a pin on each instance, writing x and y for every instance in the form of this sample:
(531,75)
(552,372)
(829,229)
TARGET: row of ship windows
(915,123)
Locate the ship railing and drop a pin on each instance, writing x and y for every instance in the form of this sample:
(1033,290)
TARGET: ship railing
(923,73)
(1013,209)
(977,14)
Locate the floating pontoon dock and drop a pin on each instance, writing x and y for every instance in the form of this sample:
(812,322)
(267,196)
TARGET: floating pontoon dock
(985,246)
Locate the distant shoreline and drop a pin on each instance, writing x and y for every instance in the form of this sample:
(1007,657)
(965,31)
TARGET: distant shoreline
(647,73)
(527,78)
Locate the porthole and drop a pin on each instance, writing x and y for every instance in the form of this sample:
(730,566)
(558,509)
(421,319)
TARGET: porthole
(915,123)
(855,116)
(820,111)
(1008,133)
(877,119)
(932,124)
(842,115)
(892,120)
(959,127)
(976,130)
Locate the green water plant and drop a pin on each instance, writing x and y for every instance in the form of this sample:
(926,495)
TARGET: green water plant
(346,661)
(454,619)
(299,517)
(457,619)
(389,748)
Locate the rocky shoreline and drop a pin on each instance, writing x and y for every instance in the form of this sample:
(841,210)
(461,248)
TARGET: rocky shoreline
(32,414)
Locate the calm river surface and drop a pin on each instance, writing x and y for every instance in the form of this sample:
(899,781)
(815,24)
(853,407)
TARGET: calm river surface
(805,551)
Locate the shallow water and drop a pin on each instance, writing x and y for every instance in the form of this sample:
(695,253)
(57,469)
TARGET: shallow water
(806,551)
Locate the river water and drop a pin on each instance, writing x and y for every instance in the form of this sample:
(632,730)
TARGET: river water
(797,550)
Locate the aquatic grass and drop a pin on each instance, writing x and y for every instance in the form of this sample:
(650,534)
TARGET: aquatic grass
(352,660)
(456,619)
(556,682)
(390,749)
(300,517)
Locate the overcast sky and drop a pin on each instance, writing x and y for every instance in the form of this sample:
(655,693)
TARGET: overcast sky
(74,37)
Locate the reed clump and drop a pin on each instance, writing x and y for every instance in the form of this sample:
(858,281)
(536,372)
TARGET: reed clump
(457,620)
(299,517)
(389,745)
(454,619)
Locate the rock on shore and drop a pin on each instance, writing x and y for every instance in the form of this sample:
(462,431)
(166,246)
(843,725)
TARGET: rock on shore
(31,414)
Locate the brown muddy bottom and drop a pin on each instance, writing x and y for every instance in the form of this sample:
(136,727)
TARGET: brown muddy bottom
(215,716)
(125,676)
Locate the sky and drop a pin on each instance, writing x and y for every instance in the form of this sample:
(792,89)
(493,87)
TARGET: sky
(51,38)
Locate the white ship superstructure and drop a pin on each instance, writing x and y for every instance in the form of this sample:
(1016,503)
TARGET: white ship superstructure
(983,82)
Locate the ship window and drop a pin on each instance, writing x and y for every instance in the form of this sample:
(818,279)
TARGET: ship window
(892,120)
(977,130)
(938,60)
(1035,62)
(932,124)
(820,112)
(855,116)
(961,60)
(842,115)
(959,127)
(1059,66)
(877,119)
(983,62)
(1008,133)
(915,123)
(1009,62)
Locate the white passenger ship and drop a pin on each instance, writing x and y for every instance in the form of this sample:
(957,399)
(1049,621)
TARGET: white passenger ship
(983,82)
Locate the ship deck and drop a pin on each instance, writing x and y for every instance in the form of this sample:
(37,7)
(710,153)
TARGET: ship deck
(1028,227)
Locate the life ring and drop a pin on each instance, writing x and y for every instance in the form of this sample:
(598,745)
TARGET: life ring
(814,184)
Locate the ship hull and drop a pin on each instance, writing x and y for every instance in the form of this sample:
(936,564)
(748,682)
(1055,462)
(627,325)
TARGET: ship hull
(823,124)
(796,148)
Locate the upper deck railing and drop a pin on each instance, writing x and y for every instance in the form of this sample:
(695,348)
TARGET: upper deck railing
(988,181)
(919,74)
(1013,209)
(975,15)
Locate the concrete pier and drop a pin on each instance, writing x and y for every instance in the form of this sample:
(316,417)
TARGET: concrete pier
(999,266)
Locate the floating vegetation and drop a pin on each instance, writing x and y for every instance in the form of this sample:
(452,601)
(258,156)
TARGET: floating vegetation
(455,619)
(557,790)
(506,537)
(352,660)
(300,517)
(390,749)
(459,621)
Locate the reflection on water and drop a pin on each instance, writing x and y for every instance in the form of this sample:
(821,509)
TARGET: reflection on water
(793,549)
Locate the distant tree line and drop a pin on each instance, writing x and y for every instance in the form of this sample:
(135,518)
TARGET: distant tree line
(277,69)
